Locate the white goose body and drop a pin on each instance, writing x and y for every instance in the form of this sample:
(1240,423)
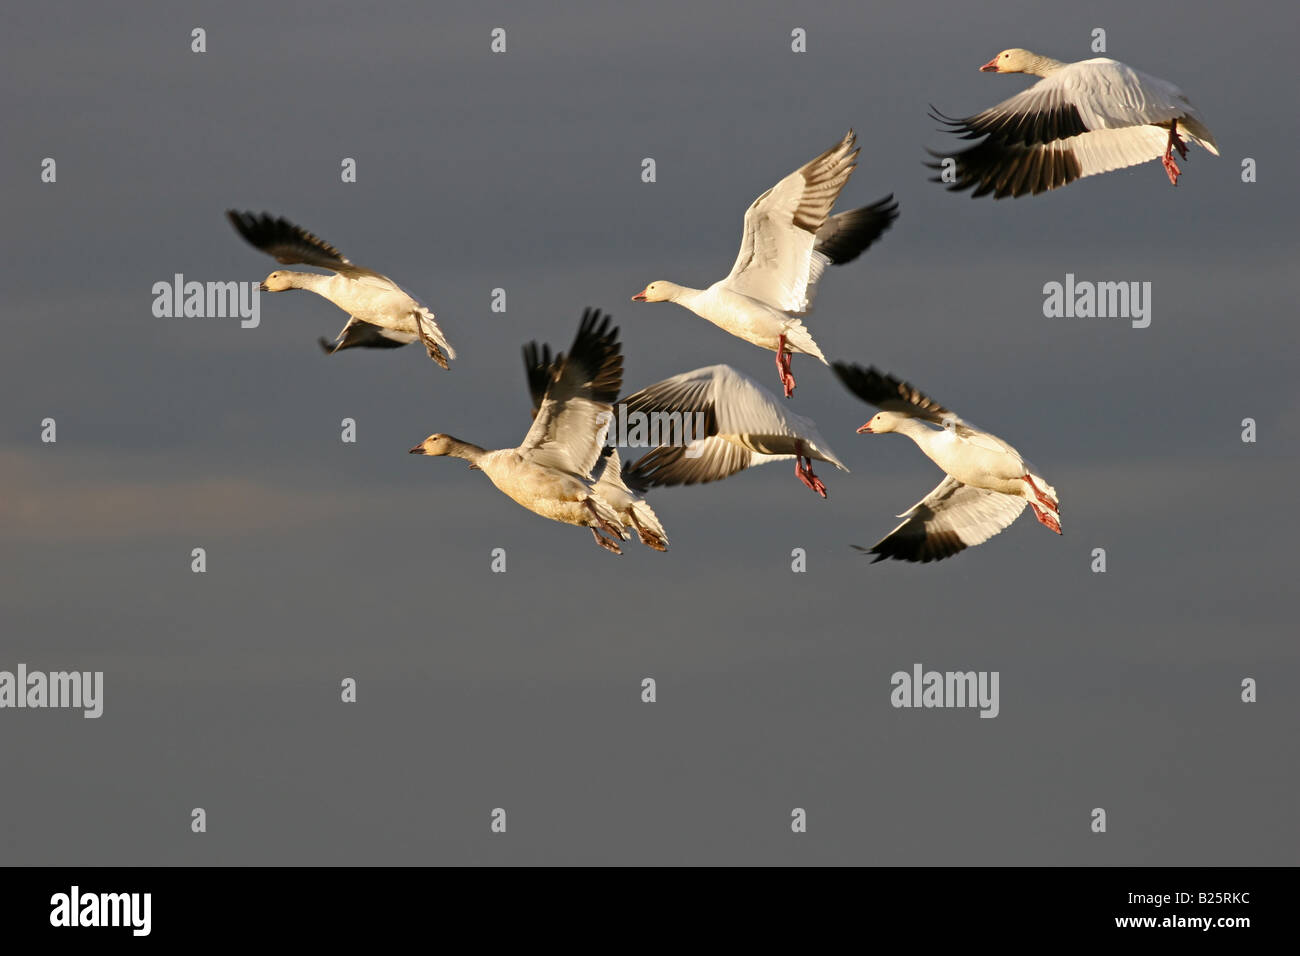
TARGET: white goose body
(545,491)
(379,303)
(1078,120)
(746,317)
(986,483)
(978,459)
(789,238)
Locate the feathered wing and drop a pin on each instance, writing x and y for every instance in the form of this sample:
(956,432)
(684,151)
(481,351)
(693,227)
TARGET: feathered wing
(539,368)
(734,423)
(574,415)
(892,394)
(951,518)
(704,460)
(778,261)
(358,334)
(846,235)
(292,245)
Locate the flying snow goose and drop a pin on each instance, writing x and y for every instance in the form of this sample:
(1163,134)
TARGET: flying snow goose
(550,473)
(733,423)
(1079,119)
(634,511)
(985,486)
(381,314)
(789,239)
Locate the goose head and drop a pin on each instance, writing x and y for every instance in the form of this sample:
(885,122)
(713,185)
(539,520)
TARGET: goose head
(657,291)
(1016,60)
(277,281)
(437,444)
(1009,61)
(882,422)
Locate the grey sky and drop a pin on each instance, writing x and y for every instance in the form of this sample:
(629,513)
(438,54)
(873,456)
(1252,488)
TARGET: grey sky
(521,690)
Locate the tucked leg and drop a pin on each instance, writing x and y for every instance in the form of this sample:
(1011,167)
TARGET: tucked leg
(648,538)
(608,526)
(605,542)
(1041,495)
(433,348)
(783,367)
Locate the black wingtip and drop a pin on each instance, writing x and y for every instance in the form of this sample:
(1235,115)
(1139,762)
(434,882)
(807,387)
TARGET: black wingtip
(853,376)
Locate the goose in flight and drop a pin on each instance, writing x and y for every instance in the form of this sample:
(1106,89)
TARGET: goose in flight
(381,314)
(634,511)
(789,239)
(1078,120)
(986,482)
(733,424)
(550,473)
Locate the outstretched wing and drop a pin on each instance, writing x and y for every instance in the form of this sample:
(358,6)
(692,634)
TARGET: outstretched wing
(540,368)
(846,235)
(892,394)
(292,245)
(778,261)
(949,519)
(358,334)
(574,414)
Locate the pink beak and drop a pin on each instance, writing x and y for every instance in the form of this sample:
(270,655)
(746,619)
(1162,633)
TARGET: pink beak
(865,429)
(990,67)
(639,297)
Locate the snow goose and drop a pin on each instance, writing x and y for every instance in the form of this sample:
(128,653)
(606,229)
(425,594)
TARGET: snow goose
(634,511)
(985,486)
(1079,119)
(788,240)
(550,473)
(381,314)
(742,424)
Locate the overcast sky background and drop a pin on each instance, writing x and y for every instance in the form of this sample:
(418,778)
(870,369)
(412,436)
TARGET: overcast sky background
(522,690)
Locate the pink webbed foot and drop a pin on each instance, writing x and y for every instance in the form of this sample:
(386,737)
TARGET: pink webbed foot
(1046,517)
(1171,169)
(803,471)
